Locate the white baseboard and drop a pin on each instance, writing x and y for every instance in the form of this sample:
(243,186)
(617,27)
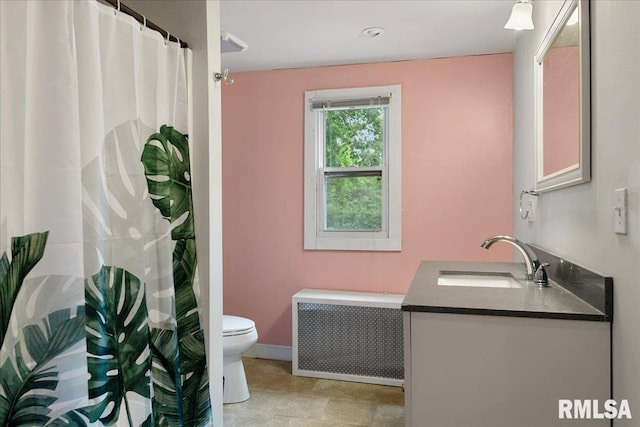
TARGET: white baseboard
(269,351)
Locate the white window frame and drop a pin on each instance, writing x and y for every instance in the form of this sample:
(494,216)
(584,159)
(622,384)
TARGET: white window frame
(315,237)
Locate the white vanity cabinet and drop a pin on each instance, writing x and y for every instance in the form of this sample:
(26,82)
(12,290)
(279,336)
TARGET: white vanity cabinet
(469,370)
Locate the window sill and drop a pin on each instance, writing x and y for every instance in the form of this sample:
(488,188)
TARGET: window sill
(353,244)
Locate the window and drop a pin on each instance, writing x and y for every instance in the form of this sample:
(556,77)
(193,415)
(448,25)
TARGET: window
(352,169)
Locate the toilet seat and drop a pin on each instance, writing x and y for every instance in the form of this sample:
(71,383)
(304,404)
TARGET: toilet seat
(235,325)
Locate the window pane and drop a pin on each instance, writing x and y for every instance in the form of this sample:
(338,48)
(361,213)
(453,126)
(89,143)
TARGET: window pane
(353,203)
(354,137)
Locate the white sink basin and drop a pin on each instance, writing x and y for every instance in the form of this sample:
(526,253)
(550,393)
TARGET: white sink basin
(477,279)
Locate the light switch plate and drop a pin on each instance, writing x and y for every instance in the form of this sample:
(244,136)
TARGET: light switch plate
(531,208)
(620,211)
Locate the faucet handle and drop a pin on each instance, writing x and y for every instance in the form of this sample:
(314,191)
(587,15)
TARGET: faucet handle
(540,277)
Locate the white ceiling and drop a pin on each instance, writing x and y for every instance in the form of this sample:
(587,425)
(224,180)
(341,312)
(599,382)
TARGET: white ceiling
(308,33)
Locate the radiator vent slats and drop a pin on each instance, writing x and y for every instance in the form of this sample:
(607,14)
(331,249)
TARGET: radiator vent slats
(351,342)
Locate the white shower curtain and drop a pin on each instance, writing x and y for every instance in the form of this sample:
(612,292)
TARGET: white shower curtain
(99,322)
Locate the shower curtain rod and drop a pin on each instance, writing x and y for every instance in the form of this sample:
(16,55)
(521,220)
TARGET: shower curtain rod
(143,20)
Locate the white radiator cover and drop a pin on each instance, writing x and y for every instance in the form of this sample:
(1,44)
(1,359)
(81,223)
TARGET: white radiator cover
(352,336)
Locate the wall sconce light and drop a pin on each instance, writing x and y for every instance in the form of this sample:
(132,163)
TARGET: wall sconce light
(521,16)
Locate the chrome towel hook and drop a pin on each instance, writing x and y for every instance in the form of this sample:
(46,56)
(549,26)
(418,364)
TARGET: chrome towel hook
(527,212)
(224,76)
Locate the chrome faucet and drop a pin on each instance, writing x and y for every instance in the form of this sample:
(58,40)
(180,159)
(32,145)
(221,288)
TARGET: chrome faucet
(530,258)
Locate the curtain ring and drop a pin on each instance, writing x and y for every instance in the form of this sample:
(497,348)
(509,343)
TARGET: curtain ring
(144,23)
(166,42)
(115,12)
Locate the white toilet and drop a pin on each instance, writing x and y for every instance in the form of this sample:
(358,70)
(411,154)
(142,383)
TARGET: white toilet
(238,335)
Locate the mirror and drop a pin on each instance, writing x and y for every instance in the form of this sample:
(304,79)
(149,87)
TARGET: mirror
(562,100)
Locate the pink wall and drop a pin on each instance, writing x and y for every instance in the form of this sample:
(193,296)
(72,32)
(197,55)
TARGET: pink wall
(561,117)
(456,175)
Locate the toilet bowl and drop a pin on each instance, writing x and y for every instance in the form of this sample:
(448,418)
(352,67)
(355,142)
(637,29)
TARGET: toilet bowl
(238,335)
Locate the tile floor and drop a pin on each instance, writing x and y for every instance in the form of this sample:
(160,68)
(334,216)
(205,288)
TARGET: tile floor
(281,399)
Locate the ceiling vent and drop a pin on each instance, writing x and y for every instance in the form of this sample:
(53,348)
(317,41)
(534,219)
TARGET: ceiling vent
(230,43)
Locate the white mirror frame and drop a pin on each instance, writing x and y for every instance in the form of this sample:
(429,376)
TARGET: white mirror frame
(580,173)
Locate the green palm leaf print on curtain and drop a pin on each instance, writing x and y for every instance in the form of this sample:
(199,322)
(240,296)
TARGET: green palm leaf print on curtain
(117,342)
(166,378)
(26,252)
(166,163)
(26,388)
(168,172)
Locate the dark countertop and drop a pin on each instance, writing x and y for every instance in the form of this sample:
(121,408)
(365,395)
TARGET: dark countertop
(553,302)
